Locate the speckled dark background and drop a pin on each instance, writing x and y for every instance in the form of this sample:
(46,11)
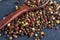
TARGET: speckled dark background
(8,6)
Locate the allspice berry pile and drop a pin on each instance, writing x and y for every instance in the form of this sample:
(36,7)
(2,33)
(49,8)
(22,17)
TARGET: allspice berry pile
(32,23)
(35,3)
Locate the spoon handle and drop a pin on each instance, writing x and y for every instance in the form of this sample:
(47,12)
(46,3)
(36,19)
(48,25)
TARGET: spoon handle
(12,16)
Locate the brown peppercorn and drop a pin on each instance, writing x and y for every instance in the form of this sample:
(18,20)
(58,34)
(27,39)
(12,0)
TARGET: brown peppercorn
(15,36)
(42,34)
(31,34)
(10,38)
(6,32)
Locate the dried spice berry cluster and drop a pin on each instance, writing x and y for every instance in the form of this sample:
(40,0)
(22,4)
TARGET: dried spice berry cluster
(35,3)
(32,23)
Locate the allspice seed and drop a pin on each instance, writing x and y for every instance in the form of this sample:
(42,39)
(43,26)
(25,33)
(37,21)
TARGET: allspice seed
(8,24)
(5,32)
(17,7)
(36,35)
(57,21)
(15,36)
(10,38)
(42,34)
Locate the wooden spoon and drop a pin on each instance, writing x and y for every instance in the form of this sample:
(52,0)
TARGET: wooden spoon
(13,15)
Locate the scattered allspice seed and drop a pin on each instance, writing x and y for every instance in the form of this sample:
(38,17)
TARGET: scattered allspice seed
(10,38)
(15,36)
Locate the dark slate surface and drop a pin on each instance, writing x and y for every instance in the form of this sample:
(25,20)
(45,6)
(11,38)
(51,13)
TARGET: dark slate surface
(8,6)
